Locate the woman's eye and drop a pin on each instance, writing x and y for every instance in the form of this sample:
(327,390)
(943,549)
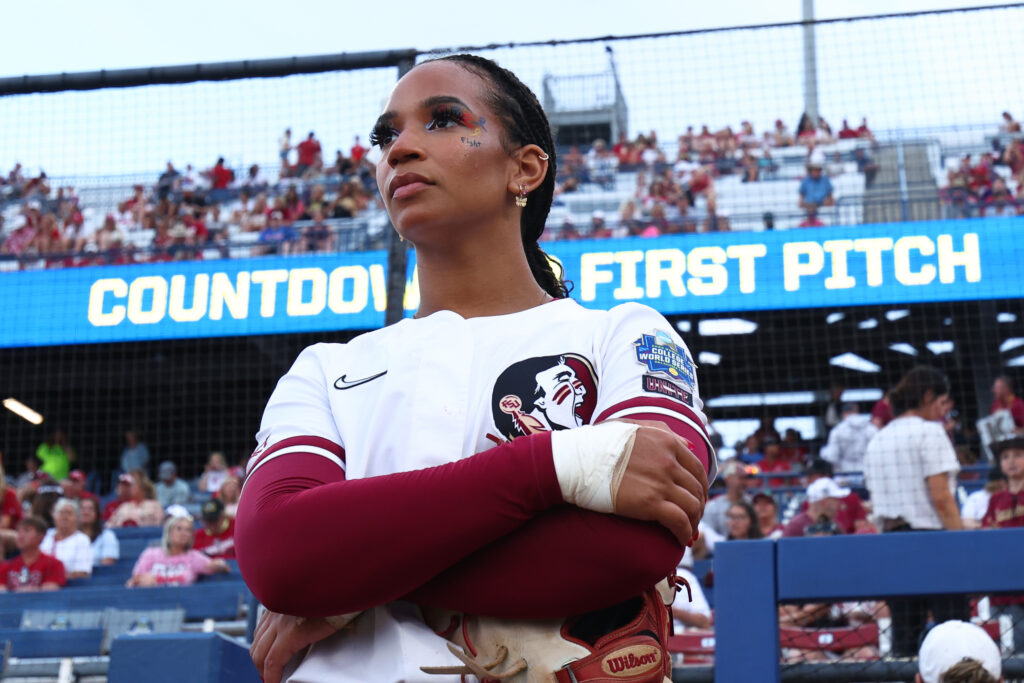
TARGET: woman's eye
(382,137)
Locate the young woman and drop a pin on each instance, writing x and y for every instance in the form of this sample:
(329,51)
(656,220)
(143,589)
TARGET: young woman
(174,563)
(741,520)
(105,547)
(468,459)
(910,470)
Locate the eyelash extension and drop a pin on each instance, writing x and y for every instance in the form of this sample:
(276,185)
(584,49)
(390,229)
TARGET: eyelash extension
(381,135)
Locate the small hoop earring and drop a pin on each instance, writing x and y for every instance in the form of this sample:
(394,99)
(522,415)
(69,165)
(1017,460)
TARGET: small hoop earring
(544,156)
(521,197)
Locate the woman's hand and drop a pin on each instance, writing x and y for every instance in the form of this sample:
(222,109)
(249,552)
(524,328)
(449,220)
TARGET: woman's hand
(219,566)
(278,637)
(664,481)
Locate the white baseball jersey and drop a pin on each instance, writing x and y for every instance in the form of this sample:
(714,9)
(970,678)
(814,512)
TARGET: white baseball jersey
(429,391)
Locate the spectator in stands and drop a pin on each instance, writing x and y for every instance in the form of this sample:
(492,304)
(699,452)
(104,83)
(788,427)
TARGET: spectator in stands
(41,503)
(741,522)
(284,146)
(974,507)
(105,547)
(848,440)
(168,182)
(782,137)
(998,202)
(767,510)
(31,466)
(815,189)
(811,220)
(309,160)
(825,136)
(32,570)
(910,470)
(175,562)
(602,165)
(74,486)
(846,133)
(170,490)
(772,461)
(10,505)
(142,508)
(67,543)
(220,177)
(279,235)
(959,652)
(863,131)
(1006,509)
(135,454)
(1004,398)
(229,493)
(851,517)
(824,498)
(56,455)
(214,474)
(806,131)
(216,538)
(734,474)
(254,181)
(1008,125)
(123,493)
(865,165)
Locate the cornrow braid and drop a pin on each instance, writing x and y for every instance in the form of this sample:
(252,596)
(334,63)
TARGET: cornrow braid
(524,123)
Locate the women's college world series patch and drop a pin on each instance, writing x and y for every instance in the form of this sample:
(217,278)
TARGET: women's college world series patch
(660,354)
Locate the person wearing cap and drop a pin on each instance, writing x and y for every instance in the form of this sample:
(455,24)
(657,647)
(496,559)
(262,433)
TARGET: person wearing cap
(910,469)
(958,652)
(170,490)
(140,509)
(124,494)
(216,538)
(734,474)
(848,441)
(74,486)
(175,562)
(32,570)
(1006,509)
(824,496)
(815,189)
(767,510)
(974,508)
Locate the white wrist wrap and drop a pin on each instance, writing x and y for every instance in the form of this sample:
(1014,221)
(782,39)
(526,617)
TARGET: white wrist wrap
(590,461)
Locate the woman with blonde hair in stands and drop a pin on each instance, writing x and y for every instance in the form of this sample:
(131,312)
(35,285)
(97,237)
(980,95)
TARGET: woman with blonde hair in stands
(105,547)
(174,562)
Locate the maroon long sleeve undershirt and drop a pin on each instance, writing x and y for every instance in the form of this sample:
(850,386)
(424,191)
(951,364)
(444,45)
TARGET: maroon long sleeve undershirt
(488,534)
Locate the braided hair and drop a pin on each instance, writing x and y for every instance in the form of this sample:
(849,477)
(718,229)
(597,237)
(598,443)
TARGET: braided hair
(524,123)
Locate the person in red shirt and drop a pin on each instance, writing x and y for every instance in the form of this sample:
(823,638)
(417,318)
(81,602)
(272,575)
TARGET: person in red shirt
(851,517)
(309,155)
(74,486)
(1006,509)
(10,505)
(220,176)
(767,510)
(217,537)
(846,133)
(357,152)
(124,494)
(33,570)
(773,462)
(1005,399)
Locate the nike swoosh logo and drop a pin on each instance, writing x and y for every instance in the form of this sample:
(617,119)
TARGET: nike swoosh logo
(343,383)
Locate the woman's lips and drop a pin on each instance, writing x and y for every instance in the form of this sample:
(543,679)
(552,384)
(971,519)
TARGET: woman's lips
(408,190)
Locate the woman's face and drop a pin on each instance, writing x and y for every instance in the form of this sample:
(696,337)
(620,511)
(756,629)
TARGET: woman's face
(66,520)
(442,161)
(737,522)
(89,512)
(936,408)
(181,534)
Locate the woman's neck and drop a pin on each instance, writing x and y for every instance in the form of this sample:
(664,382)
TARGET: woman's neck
(477,281)
(61,535)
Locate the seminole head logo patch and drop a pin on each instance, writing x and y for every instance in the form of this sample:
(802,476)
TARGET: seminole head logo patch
(544,394)
(660,353)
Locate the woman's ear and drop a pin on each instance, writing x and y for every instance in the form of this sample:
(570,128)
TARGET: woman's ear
(531,166)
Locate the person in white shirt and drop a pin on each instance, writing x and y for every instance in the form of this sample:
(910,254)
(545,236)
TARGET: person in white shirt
(67,543)
(910,469)
(974,508)
(847,442)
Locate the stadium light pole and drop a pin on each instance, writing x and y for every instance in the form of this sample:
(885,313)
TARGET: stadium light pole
(810,64)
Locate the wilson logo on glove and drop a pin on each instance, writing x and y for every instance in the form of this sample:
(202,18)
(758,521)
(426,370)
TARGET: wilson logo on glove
(631,661)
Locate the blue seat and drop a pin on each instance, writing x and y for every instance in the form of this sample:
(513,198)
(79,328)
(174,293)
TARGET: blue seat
(75,642)
(149,532)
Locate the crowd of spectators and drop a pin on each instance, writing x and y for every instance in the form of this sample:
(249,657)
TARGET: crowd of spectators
(989,184)
(53,530)
(185,212)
